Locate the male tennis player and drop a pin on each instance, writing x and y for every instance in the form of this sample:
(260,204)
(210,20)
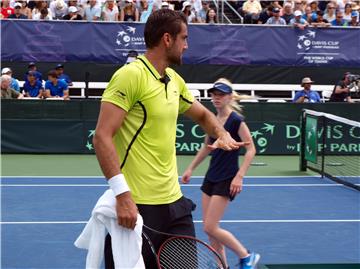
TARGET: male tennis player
(136,131)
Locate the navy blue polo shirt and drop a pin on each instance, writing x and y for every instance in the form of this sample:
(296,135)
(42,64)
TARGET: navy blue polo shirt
(58,89)
(33,90)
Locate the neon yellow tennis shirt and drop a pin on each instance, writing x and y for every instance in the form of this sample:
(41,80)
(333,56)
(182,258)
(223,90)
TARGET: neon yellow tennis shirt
(145,142)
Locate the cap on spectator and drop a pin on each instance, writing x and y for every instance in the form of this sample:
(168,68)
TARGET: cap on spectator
(58,66)
(306,80)
(297,13)
(5,70)
(72,9)
(17,5)
(276,10)
(354,14)
(32,73)
(31,64)
(222,87)
(164,4)
(60,4)
(186,4)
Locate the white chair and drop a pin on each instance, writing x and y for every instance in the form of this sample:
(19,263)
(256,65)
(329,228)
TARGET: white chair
(276,101)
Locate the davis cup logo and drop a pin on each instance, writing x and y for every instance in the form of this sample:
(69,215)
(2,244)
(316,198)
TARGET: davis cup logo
(305,41)
(128,38)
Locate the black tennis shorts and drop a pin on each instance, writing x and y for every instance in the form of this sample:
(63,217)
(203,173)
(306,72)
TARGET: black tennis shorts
(221,188)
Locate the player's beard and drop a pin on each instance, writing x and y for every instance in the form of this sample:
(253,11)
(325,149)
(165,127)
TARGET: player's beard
(174,59)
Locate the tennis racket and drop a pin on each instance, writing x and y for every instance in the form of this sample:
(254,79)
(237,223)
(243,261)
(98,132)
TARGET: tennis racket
(182,251)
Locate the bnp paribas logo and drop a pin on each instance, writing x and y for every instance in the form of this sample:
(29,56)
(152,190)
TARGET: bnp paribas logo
(262,135)
(89,138)
(305,40)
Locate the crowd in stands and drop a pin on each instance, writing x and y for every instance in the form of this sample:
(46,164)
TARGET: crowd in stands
(299,13)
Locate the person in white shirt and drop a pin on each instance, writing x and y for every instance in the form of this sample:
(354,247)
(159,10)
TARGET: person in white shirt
(110,11)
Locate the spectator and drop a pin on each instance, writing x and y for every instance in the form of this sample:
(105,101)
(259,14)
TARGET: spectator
(92,11)
(341,92)
(330,12)
(6,9)
(60,74)
(309,15)
(36,12)
(32,67)
(203,11)
(265,15)
(298,21)
(79,7)
(6,91)
(110,11)
(25,10)
(58,9)
(276,19)
(73,14)
(165,4)
(14,83)
(354,19)
(145,10)
(129,12)
(287,13)
(314,6)
(43,15)
(347,12)
(320,21)
(307,95)
(56,88)
(188,12)
(211,17)
(17,13)
(251,10)
(33,87)
(339,21)
(177,4)
(298,5)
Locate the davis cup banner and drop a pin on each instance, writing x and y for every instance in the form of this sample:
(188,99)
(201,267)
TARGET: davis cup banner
(64,41)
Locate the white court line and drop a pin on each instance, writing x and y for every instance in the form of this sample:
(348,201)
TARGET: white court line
(199,221)
(182,185)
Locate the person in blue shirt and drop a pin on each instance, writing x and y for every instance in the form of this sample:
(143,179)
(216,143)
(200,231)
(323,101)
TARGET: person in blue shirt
(224,179)
(339,20)
(32,67)
(56,88)
(60,73)
(14,84)
(33,87)
(307,95)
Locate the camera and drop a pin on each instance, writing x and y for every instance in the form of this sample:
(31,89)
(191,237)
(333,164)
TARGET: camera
(354,81)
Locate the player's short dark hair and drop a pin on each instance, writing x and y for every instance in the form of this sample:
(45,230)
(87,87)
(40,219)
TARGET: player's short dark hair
(52,73)
(160,22)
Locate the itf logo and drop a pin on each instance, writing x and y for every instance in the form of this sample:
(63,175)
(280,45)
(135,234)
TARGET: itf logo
(128,37)
(305,41)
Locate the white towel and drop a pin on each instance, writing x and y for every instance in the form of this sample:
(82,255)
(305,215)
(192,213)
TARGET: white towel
(126,243)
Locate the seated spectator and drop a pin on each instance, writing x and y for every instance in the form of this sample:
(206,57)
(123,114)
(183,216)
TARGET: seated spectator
(320,21)
(276,19)
(129,12)
(309,15)
(60,74)
(339,21)
(73,14)
(347,12)
(14,84)
(92,11)
(145,10)
(32,67)
(287,12)
(298,21)
(265,15)
(56,88)
(58,9)
(211,16)
(251,10)
(110,11)
(79,7)
(189,13)
(17,13)
(307,95)
(40,5)
(33,87)
(329,13)
(203,11)
(6,91)
(354,19)
(341,92)
(25,10)
(43,15)
(6,10)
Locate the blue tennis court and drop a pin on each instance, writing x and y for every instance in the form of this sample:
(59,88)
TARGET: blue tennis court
(289,220)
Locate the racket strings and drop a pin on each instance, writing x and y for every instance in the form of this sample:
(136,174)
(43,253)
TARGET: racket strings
(180,253)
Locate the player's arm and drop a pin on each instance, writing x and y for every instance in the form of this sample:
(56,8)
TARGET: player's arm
(237,182)
(110,120)
(340,89)
(207,120)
